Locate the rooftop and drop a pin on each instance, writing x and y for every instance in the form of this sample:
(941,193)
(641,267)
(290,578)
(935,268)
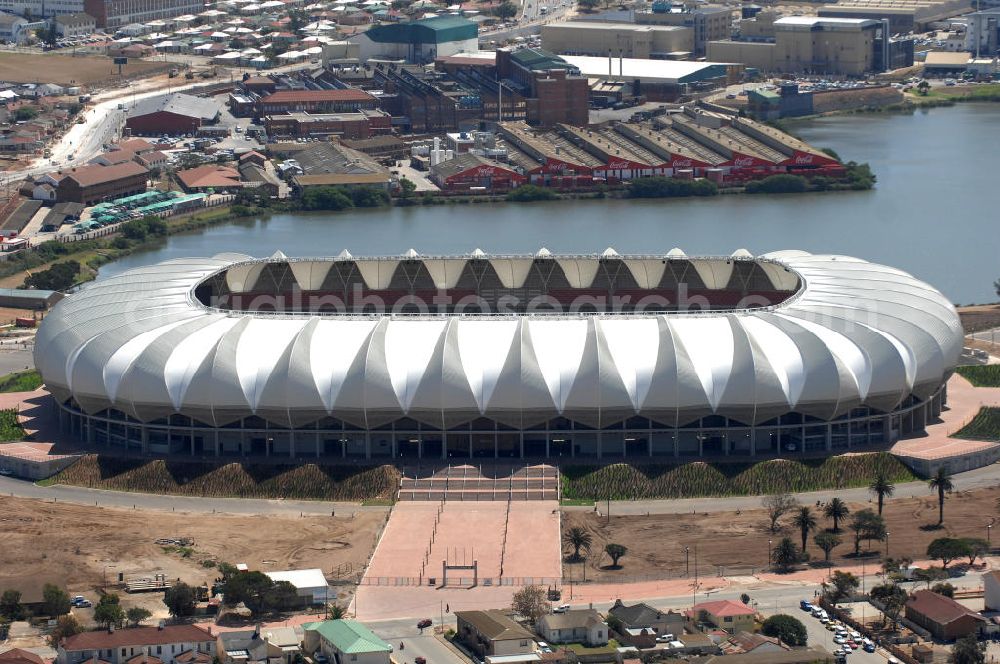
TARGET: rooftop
(348,636)
(292,96)
(137,636)
(812,22)
(209,175)
(88,176)
(938,608)
(301,578)
(723,607)
(631,68)
(495,625)
(177,103)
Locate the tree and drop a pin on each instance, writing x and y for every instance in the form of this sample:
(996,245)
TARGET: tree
(842,584)
(335,612)
(588,5)
(784,183)
(745,598)
(368,197)
(59,276)
(25,113)
(947,549)
(281,596)
(529,193)
(66,626)
(777,506)
(406,187)
(530,602)
(578,538)
(109,613)
(881,488)
(977,548)
(941,482)
(827,542)
(945,589)
(968,649)
(136,615)
(10,605)
(616,551)
(325,198)
(930,575)
(505,10)
(787,628)
(55,599)
(785,554)
(836,509)
(866,526)
(805,522)
(923,87)
(892,598)
(227,570)
(180,600)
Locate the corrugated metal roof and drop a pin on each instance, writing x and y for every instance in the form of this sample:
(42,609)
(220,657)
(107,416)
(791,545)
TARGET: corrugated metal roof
(349,636)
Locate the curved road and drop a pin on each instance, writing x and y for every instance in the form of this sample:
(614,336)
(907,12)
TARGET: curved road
(987,476)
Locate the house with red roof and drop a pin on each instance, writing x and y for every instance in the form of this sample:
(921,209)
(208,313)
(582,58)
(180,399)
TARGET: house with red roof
(726,614)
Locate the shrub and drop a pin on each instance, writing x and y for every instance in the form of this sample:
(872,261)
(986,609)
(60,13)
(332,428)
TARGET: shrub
(984,426)
(528,193)
(60,276)
(660,187)
(783,183)
(21,381)
(985,375)
(326,198)
(369,197)
(787,628)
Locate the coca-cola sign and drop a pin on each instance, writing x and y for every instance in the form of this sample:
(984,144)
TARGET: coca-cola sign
(682,163)
(804,159)
(619,165)
(743,162)
(485,171)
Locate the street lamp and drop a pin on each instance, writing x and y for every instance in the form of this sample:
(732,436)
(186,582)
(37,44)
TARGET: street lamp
(768,565)
(887,533)
(687,561)
(989,528)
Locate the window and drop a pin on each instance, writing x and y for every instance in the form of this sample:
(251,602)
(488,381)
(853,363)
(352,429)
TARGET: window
(727,619)
(123,652)
(159,650)
(524,644)
(354,658)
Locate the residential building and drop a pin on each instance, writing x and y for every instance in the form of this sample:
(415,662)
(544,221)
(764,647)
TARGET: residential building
(641,615)
(493,633)
(316,101)
(991,590)
(470,171)
(118,13)
(274,645)
(165,643)
(942,616)
(20,656)
(726,614)
(709,22)
(419,41)
(93,184)
(748,642)
(12,28)
(310,584)
(808,656)
(660,42)
(172,114)
(31,588)
(576,626)
(345,642)
(77,24)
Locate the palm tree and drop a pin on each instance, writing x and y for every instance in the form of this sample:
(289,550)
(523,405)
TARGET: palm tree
(836,509)
(881,487)
(805,522)
(943,484)
(785,554)
(578,538)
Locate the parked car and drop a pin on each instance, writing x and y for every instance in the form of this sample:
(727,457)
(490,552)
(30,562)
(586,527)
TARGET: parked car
(424,624)
(562,608)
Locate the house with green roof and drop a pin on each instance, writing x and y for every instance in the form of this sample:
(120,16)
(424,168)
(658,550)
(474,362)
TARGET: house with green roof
(419,41)
(345,642)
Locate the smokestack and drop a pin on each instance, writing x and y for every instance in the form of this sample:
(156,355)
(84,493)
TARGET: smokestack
(621,63)
(610,70)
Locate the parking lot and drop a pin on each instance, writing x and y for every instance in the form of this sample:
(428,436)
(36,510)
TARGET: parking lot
(821,637)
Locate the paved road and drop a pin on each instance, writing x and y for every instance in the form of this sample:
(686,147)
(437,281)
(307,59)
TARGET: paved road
(145,501)
(985,477)
(415,644)
(15,360)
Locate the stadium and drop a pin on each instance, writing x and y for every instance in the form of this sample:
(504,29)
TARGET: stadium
(498,356)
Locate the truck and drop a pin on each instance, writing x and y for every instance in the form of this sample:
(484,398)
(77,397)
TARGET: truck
(173,73)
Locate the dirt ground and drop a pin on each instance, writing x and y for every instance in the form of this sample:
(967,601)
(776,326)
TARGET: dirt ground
(739,541)
(980,317)
(65,69)
(78,545)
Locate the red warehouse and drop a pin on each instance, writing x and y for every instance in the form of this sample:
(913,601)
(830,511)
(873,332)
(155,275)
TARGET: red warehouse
(171,114)
(469,171)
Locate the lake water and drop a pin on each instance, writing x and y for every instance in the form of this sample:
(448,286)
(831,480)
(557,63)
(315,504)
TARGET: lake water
(933,213)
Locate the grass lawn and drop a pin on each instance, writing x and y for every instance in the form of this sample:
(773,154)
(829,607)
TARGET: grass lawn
(986,92)
(981,375)
(581,649)
(984,426)
(576,502)
(10,428)
(20,381)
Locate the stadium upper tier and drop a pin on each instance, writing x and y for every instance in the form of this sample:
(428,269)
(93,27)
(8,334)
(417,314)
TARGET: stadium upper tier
(244,345)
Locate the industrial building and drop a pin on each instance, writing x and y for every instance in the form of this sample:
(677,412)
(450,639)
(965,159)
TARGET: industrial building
(552,87)
(118,13)
(77,24)
(708,22)
(331,164)
(982,35)
(419,41)
(360,125)
(96,183)
(903,15)
(515,356)
(654,80)
(176,113)
(660,42)
(470,172)
(817,45)
(347,100)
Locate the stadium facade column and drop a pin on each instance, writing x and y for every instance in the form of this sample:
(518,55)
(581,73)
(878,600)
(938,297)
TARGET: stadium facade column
(291,443)
(368,445)
(144,437)
(520,438)
(215,442)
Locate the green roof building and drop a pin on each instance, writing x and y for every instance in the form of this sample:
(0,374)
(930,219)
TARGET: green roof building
(345,642)
(419,41)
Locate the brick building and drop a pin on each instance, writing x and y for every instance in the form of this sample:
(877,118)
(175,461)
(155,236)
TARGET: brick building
(942,616)
(469,171)
(93,184)
(166,644)
(363,124)
(554,91)
(171,114)
(316,101)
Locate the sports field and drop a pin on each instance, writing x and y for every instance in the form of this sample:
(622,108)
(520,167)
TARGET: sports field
(68,70)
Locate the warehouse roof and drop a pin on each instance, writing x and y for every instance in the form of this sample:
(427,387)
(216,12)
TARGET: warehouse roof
(209,175)
(348,636)
(293,96)
(437,30)
(538,59)
(88,176)
(823,22)
(333,158)
(178,104)
(462,163)
(667,71)
(300,578)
